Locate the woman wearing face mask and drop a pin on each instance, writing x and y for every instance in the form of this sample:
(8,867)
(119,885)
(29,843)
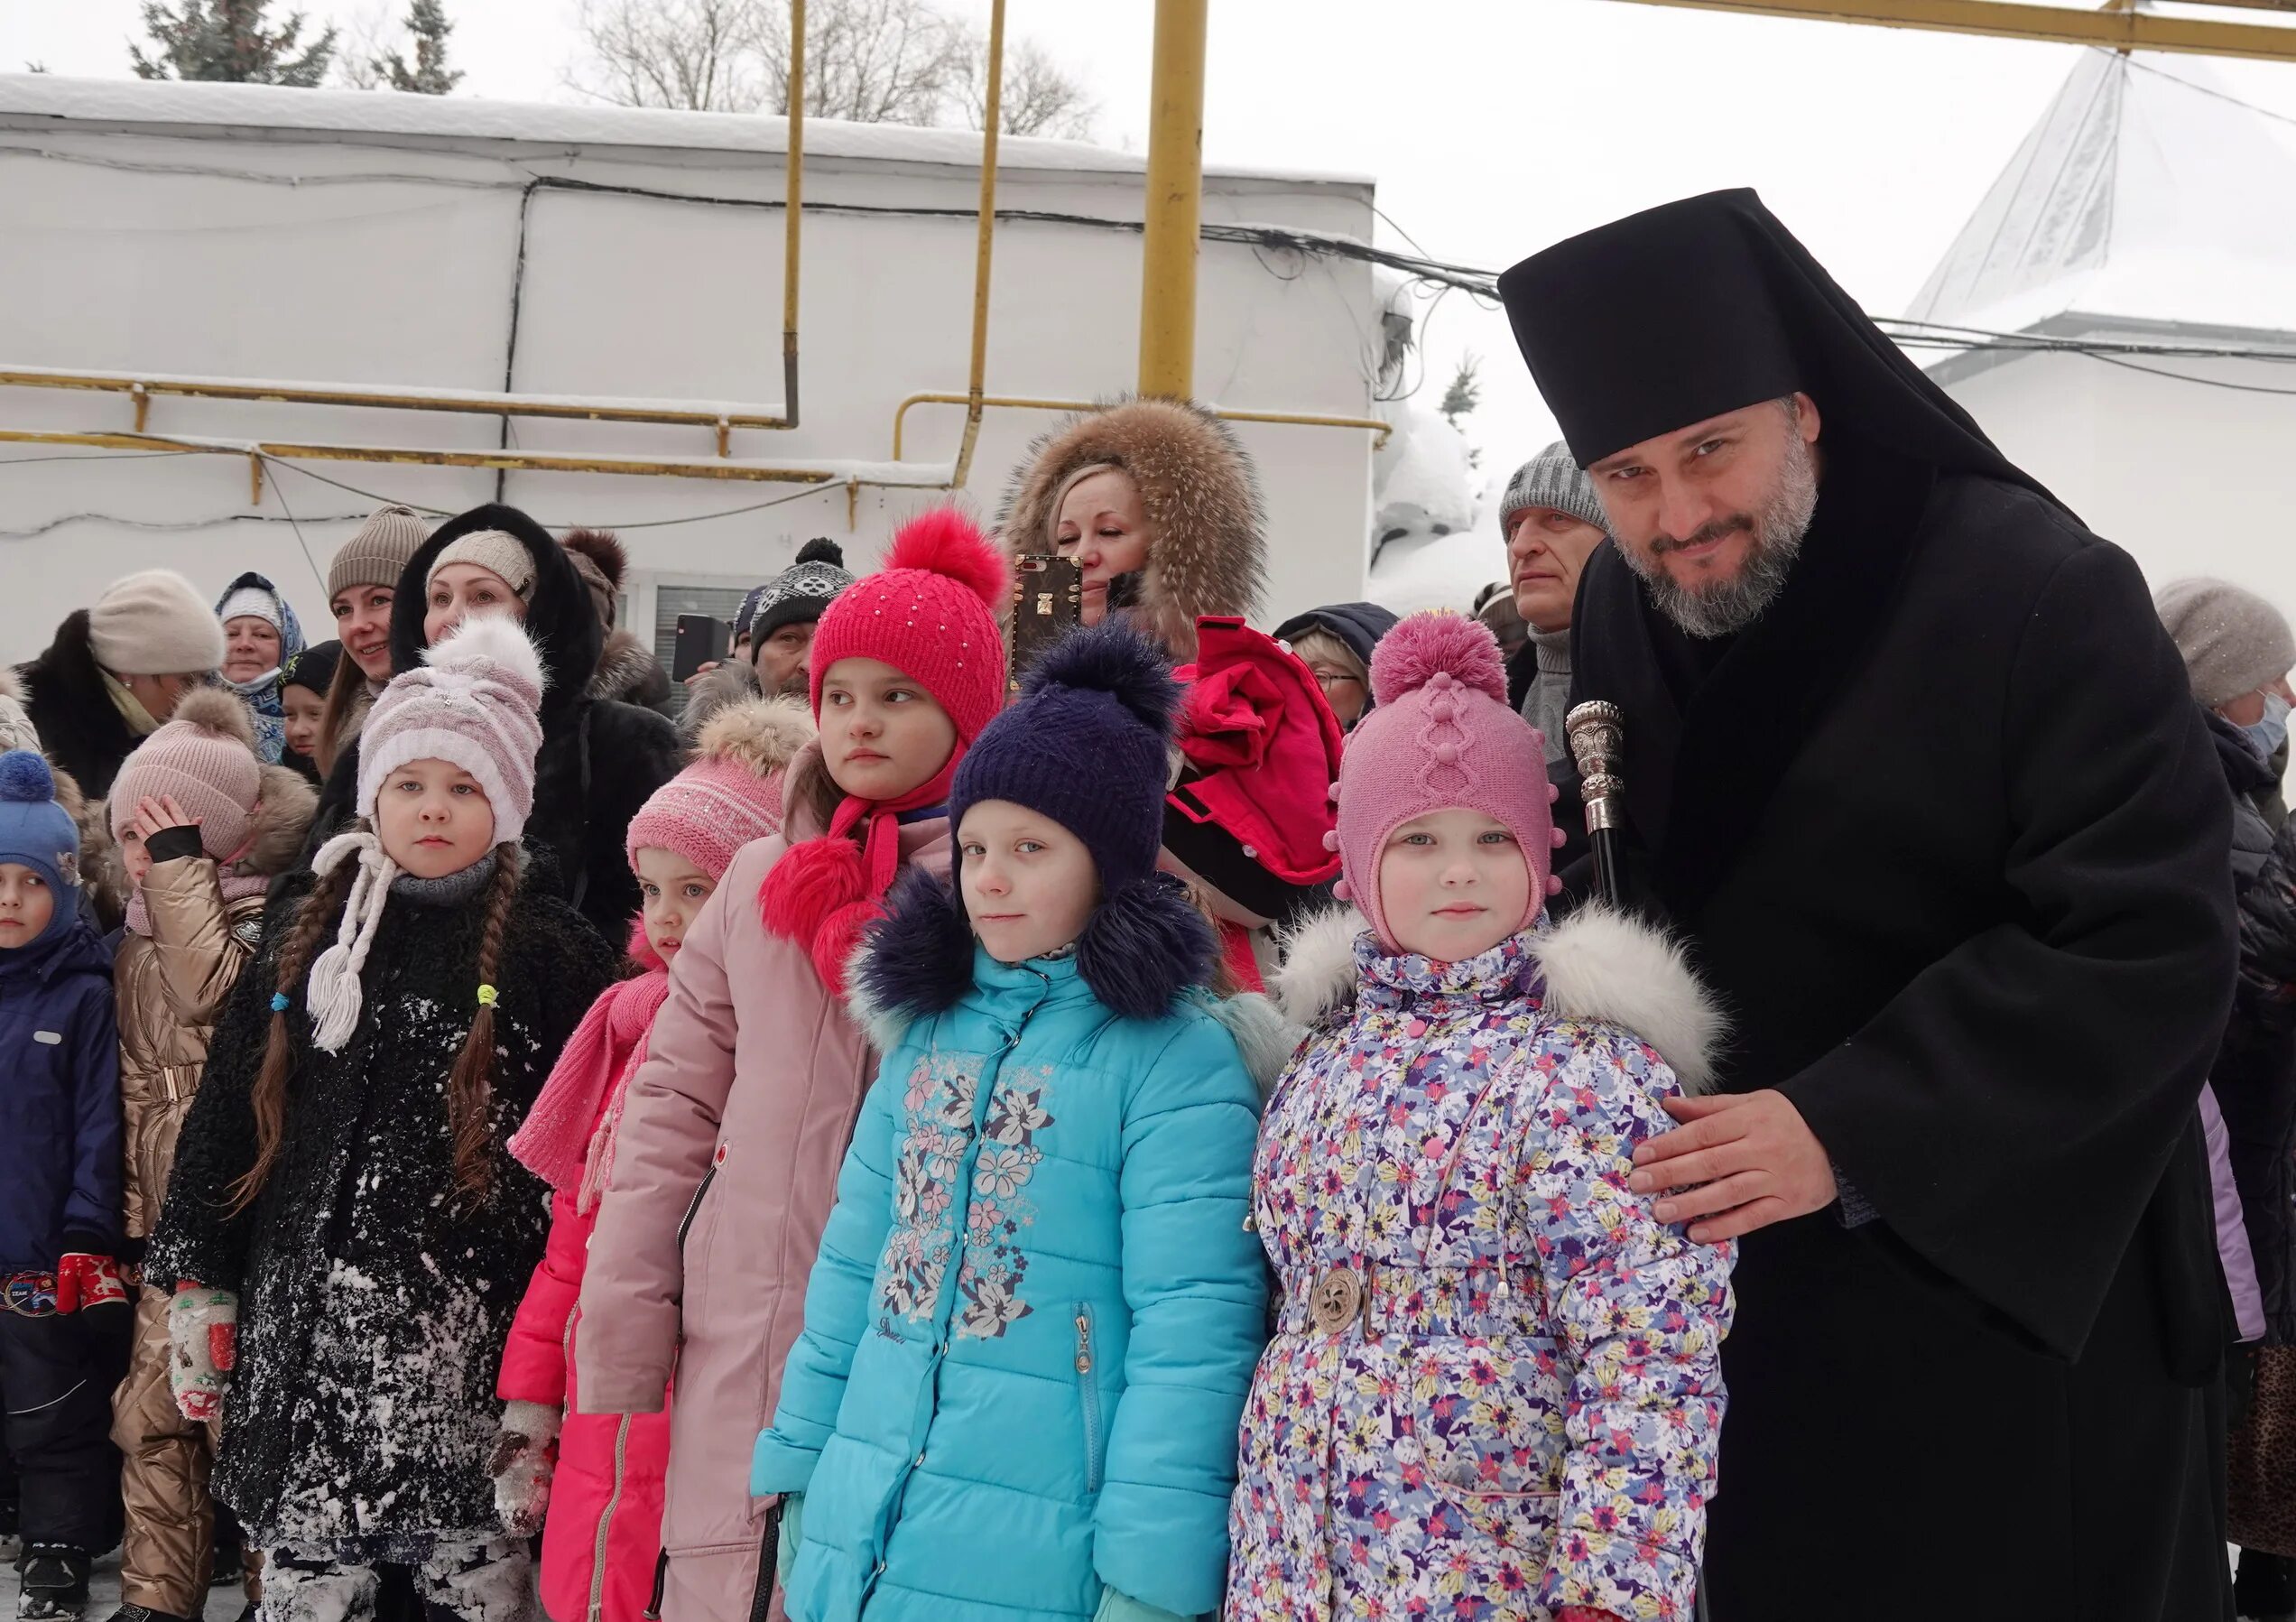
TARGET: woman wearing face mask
(2239,650)
(260,635)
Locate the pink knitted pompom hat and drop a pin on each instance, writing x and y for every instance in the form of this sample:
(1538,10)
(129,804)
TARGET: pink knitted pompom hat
(732,792)
(1440,736)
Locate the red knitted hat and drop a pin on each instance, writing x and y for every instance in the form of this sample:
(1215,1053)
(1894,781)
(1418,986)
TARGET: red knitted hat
(930,613)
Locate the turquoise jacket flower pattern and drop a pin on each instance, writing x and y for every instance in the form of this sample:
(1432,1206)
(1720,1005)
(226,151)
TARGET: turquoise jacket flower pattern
(1495,1388)
(1034,1319)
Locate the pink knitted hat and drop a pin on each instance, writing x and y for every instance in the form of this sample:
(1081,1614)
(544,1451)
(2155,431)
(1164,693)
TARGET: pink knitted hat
(475,701)
(204,759)
(1440,736)
(731,793)
(930,613)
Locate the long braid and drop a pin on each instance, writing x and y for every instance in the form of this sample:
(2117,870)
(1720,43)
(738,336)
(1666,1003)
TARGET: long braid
(269,1098)
(470,1093)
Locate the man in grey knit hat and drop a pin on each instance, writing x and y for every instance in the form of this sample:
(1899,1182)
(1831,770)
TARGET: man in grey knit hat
(1552,522)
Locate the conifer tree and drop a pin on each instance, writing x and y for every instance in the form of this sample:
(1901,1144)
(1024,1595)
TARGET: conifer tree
(428,25)
(227,40)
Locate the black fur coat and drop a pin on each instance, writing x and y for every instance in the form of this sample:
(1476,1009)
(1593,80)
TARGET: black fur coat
(79,726)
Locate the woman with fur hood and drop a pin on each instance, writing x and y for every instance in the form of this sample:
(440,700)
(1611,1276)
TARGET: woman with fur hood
(116,669)
(202,827)
(1495,1385)
(600,758)
(100,899)
(1157,501)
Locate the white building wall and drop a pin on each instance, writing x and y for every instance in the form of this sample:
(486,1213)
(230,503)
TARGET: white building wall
(2190,479)
(374,257)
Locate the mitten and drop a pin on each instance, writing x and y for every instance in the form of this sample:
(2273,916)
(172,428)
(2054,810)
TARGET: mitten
(1124,1607)
(203,1347)
(524,1458)
(792,1534)
(86,1280)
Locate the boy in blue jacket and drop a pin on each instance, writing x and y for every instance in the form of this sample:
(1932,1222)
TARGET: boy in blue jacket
(1036,1308)
(59,1195)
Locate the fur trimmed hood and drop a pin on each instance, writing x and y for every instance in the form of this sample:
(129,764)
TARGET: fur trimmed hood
(1600,966)
(1201,494)
(628,671)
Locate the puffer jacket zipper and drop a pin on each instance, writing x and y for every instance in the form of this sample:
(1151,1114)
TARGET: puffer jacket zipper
(693,1206)
(606,1520)
(1089,1387)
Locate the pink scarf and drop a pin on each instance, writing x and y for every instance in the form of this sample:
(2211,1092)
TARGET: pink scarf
(567,1137)
(825,892)
(236,886)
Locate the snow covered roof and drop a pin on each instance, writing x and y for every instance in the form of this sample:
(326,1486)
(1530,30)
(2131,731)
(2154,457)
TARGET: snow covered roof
(199,108)
(2145,194)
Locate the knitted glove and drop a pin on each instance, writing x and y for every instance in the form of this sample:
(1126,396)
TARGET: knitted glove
(525,1457)
(203,1347)
(1124,1607)
(85,1280)
(793,1534)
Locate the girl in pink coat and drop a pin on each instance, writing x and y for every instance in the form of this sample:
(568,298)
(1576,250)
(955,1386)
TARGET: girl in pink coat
(725,1164)
(597,1496)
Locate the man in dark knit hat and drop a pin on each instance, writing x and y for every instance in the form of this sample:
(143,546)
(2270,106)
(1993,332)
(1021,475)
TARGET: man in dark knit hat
(1913,767)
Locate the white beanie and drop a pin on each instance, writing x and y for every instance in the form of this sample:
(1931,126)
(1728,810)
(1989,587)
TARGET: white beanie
(250,602)
(2232,641)
(152,624)
(496,551)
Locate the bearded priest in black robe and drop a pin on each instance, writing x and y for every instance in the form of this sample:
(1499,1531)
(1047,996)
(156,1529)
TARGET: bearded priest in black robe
(1915,773)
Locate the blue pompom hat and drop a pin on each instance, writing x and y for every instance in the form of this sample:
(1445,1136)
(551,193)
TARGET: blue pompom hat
(1086,745)
(38,833)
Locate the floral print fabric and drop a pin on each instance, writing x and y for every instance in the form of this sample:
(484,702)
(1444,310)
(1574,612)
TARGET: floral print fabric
(1521,1410)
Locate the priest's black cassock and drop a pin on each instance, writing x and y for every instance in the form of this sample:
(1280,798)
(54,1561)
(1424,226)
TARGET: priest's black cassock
(1943,830)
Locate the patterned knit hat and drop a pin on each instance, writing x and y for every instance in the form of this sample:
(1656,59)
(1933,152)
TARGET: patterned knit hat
(313,668)
(731,793)
(1084,745)
(498,552)
(800,593)
(1552,479)
(930,613)
(38,833)
(379,554)
(2232,641)
(475,702)
(153,624)
(1441,736)
(204,759)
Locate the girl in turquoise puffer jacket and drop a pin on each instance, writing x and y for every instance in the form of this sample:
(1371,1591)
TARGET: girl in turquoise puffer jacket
(1036,1310)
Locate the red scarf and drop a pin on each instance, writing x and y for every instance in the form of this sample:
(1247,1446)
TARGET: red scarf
(825,892)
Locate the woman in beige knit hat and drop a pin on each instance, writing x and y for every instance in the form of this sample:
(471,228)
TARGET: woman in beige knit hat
(361,584)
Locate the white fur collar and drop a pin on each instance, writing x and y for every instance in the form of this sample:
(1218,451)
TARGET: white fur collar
(1600,965)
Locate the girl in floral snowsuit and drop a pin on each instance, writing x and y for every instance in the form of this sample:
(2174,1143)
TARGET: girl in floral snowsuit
(1495,1389)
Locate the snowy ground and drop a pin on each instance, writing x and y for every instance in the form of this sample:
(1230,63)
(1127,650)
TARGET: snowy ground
(224,1604)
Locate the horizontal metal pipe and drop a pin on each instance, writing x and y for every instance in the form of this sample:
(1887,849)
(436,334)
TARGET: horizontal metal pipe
(1025,403)
(2013,20)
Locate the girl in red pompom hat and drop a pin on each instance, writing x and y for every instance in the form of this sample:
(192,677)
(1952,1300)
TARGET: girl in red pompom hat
(732,1132)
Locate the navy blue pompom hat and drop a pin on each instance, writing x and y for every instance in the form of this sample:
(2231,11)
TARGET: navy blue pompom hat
(1087,745)
(39,834)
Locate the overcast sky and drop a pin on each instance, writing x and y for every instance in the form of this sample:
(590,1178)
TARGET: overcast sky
(1493,127)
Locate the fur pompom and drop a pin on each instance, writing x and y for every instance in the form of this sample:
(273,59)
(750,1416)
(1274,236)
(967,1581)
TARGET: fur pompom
(839,936)
(25,779)
(763,735)
(218,711)
(603,548)
(914,962)
(813,878)
(1437,642)
(1145,946)
(1110,658)
(821,549)
(496,639)
(944,541)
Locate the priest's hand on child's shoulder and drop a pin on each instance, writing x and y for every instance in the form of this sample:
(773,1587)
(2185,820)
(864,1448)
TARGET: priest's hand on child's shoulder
(1742,1160)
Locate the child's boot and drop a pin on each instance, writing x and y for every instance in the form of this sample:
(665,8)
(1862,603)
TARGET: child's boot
(55,1581)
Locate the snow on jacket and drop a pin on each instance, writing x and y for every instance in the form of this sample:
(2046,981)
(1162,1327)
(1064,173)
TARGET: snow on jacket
(1036,1310)
(59,1109)
(724,1174)
(600,760)
(1496,1384)
(363,1405)
(171,984)
(603,1537)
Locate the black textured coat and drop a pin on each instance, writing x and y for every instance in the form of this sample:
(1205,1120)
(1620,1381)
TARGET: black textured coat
(1945,832)
(2256,1082)
(600,760)
(374,1302)
(79,726)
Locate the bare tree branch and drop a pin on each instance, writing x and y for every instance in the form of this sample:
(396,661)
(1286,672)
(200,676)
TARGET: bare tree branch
(1040,98)
(697,55)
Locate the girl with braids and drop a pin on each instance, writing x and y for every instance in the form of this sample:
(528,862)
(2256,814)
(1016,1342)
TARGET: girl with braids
(341,1187)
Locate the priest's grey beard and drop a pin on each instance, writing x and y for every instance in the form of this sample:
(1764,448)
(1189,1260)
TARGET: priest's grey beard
(1724,607)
